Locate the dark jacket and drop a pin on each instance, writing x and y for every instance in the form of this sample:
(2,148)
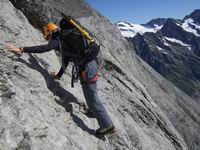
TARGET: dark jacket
(57,44)
(52,45)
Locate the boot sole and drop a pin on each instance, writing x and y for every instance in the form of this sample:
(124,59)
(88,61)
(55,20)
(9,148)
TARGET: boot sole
(107,132)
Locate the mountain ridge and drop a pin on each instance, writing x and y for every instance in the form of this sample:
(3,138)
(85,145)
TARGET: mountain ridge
(178,41)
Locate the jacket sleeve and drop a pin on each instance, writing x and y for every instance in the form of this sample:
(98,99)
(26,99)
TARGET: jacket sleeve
(42,48)
(63,67)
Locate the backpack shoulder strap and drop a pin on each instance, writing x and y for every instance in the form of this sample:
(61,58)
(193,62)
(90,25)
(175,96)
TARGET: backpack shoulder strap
(62,53)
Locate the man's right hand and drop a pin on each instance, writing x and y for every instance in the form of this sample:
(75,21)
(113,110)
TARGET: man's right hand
(54,75)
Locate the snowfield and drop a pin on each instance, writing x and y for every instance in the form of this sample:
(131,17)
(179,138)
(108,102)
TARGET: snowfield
(131,30)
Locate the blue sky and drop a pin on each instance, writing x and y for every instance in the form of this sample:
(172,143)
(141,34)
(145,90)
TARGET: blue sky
(142,11)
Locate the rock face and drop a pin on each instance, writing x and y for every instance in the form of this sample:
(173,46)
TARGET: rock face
(173,51)
(38,112)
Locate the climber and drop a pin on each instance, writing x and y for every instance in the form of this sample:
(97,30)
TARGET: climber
(72,45)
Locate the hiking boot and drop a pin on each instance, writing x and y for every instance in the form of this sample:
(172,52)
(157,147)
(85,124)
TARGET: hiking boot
(103,131)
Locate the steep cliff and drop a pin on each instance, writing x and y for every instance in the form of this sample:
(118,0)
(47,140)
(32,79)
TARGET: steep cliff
(38,112)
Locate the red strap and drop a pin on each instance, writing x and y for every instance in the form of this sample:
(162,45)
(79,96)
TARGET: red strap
(95,78)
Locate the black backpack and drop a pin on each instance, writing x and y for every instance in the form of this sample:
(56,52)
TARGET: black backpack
(78,41)
(74,43)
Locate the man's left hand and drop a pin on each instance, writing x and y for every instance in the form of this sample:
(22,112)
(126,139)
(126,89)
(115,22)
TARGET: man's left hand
(13,48)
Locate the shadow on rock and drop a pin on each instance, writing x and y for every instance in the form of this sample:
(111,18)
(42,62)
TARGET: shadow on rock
(65,98)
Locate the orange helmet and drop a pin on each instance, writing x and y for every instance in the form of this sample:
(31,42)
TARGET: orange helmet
(49,28)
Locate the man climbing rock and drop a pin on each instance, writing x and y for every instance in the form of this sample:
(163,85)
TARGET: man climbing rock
(75,47)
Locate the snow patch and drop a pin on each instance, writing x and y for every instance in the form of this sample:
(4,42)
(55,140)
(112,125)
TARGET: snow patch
(165,42)
(178,41)
(164,53)
(131,30)
(128,34)
(159,48)
(186,26)
(196,26)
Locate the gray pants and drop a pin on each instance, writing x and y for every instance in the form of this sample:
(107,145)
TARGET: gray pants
(95,105)
(92,99)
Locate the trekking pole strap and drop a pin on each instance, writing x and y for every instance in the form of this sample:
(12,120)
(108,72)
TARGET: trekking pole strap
(75,75)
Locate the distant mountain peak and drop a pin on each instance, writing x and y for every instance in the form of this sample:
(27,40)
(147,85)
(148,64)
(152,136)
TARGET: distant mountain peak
(195,15)
(157,21)
(170,27)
